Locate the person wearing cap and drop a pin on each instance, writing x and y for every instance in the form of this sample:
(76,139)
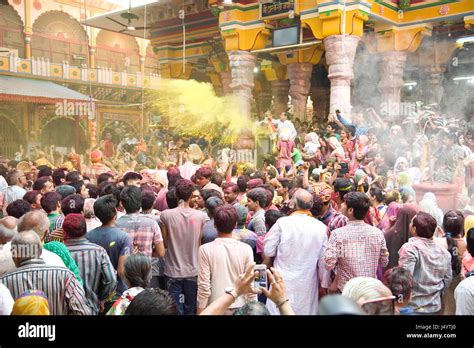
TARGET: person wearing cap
(96,168)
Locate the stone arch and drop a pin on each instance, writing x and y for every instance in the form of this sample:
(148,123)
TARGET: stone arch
(58,36)
(11,29)
(116,51)
(10,137)
(60,131)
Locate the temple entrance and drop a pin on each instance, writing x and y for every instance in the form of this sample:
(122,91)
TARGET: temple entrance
(9,138)
(64,132)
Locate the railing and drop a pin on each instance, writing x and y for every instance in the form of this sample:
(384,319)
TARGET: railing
(41,67)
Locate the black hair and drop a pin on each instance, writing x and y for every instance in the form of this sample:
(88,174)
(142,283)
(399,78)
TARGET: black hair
(72,204)
(38,185)
(359,202)
(171,199)
(148,199)
(77,185)
(318,204)
(470,241)
(93,190)
(334,126)
(258,195)
(153,302)
(57,175)
(211,204)
(242,183)
(217,179)
(18,208)
(137,270)
(343,186)
(453,223)
(73,176)
(49,201)
(104,177)
(131,199)
(271,217)
(105,208)
(44,171)
(378,193)
(208,193)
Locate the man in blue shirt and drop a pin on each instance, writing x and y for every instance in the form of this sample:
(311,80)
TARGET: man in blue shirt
(116,242)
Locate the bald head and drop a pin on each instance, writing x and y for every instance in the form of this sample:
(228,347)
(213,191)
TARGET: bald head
(7,229)
(303,200)
(25,246)
(36,221)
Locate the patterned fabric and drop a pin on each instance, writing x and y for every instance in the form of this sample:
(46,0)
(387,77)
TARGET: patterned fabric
(96,271)
(143,230)
(61,250)
(430,265)
(355,250)
(65,294)
(338,220)
(120,306)
(94,170)
(31,302)
(257,223)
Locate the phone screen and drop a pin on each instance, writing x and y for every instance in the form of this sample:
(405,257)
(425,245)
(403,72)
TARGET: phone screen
(261,279)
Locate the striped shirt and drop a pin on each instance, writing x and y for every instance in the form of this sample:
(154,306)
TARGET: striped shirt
(95,269)
(65,294)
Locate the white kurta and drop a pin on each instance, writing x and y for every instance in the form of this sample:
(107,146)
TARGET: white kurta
(297,243)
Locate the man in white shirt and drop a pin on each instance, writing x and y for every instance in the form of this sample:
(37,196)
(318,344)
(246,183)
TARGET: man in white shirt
(222,260)
(38,222)
(284,123)
(7,232)
(464,296)
(17,181)
(296,243)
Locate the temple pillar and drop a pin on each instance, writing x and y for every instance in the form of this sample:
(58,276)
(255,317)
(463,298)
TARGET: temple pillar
(392,65)
(300,83)
(27,46)
(226,80)
(280,91)
(242,64)
(432,83)
(92,57)
(434,57)
(340,54)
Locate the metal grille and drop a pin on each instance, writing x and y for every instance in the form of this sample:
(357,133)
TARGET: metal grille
(9,138)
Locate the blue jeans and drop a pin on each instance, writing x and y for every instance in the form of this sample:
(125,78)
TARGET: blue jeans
(184,291)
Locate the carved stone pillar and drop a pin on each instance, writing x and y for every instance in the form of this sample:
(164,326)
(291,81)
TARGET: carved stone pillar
(300,83)
(242,64)
(340,54)
(392,65)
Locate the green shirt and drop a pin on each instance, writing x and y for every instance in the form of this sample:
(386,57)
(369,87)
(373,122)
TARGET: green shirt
(296,155)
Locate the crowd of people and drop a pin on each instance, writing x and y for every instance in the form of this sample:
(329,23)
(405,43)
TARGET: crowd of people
(332,215)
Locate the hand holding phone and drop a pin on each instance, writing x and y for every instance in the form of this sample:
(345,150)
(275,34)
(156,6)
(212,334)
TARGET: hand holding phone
(261,280)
